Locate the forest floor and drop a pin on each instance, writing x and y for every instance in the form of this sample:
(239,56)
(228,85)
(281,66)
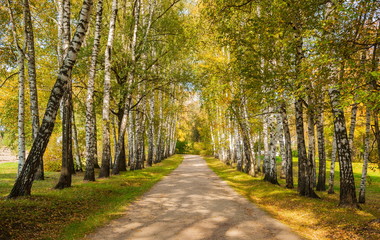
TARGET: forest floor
(193,203)
(318,219)
(72,212)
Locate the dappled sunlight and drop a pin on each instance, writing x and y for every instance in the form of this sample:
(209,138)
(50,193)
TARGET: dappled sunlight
(312,218)
(193,203)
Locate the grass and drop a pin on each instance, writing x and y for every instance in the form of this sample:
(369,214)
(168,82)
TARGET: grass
(311,218)
(73,212)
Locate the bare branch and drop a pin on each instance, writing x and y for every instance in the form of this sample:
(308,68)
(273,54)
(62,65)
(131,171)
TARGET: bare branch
(12,75)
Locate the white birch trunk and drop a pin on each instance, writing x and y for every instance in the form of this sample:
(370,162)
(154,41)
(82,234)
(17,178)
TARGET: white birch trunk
(106,155)
(266,143)
(76,145)
(91,141)
(21,93)
(332,166)
(29,37)
(311,141)
(280,134)
(366,157)
(24,181)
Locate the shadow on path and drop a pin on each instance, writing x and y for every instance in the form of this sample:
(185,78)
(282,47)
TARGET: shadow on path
(193,203)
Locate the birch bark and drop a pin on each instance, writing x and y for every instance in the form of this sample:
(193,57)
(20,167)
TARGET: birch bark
(106,155)
(311,142)
(366,157)
(332,166)
(29,37)
(21,93)
(280,136)
(91,141)
(271,168)
(305,177)
(288,147)
(266,143)
(321,185)
(67,168)
(347,184)
(78,160)
(24,181)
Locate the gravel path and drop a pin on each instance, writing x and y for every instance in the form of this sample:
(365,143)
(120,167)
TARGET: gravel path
(193,203)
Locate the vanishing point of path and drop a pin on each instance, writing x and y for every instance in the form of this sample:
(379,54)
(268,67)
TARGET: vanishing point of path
(193,203)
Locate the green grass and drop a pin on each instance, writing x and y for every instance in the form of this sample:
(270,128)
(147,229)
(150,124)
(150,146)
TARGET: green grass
(75,211)
(311,218)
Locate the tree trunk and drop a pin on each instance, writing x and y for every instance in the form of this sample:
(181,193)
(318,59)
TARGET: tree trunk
(120,145)
(91,141)
(332,166)
(351,134)
(259,153)
(159,131)
(249,148)
(106,155)
(21,112)
(21,93)
(347,183)
(24,181)
(305,175)
(280,134)
(266,143)
(321,185)
(238,151)
(78,160)
(311,138)
(120,157)
(271,168)
(29,37)
(288,148)
(151,132)
(67,154)
(139,142)
(366,157)
(131,137)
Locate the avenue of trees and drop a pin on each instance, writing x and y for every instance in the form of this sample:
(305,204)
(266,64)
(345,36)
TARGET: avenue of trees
(275,77)
(293,77)
(110,75)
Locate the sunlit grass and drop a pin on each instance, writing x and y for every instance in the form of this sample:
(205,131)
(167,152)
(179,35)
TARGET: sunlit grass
(72,212)
(311,218)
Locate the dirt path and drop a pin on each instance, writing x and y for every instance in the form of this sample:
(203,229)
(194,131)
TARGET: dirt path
(193,203)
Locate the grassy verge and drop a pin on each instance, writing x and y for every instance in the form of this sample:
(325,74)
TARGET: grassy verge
(311,218)
(72,212)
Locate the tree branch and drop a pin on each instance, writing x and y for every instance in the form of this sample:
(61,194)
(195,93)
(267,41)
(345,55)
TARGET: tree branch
(12,75)
(166,10)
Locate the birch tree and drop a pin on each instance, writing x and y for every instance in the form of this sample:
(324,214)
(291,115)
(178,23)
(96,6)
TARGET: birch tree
(106,155)
(30,53)
(21,92)
(347,183)
(91,141)
(25,179)
(366,157)
(67,168)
